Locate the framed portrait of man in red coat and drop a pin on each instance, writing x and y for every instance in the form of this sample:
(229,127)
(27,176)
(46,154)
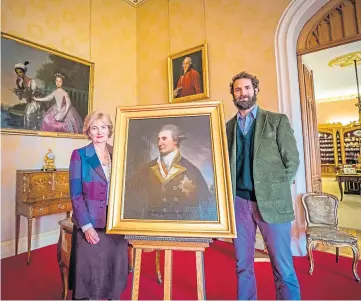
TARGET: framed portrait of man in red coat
(188,75)
(170,176)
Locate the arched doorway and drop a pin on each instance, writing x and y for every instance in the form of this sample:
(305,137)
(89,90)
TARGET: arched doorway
(305,26)
(336,23)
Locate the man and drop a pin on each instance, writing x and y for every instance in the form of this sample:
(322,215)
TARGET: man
(171,187)
(264,160)
(189,82)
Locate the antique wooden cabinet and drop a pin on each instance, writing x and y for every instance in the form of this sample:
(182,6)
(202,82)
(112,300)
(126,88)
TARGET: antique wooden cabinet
(331,147)
(40,193)
(339,145)
(352,143)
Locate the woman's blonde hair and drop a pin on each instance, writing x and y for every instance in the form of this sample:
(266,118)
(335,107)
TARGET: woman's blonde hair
(96,115)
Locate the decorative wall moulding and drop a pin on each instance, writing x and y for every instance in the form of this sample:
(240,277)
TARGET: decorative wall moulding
(135,3)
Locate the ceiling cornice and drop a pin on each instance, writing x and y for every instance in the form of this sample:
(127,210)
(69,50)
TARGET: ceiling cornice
(337,98)
(135,3)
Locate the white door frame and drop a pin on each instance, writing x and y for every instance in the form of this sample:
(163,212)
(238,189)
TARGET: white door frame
(289,27)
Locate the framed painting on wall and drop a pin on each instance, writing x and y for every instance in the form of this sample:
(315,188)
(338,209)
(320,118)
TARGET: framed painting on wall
(43,91)
(188,75)
(170,172)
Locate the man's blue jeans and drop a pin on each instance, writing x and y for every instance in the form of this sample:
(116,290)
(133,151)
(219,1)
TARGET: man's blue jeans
(277,238)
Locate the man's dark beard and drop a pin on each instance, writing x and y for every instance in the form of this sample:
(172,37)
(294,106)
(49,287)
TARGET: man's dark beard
(244,105)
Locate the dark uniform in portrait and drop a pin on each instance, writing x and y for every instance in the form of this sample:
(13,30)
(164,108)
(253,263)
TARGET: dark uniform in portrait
(178,194)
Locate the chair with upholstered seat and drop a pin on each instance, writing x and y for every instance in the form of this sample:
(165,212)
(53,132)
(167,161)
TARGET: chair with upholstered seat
(322,227)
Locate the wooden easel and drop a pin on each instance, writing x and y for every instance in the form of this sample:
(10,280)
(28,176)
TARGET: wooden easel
(169,244)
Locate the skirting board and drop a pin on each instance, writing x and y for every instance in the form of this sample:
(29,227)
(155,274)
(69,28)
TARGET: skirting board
(37,241)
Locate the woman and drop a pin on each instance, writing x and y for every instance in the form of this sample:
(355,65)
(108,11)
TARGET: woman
(99,262)
(62,116)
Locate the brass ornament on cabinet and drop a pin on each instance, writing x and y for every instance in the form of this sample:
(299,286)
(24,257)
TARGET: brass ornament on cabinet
(49,160)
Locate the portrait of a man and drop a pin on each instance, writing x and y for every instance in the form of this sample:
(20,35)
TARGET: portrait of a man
(188,77)
(169,186)
(170,175)
(189,81)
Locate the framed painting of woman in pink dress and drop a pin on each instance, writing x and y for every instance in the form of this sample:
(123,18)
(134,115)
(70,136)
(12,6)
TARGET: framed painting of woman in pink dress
(44,92)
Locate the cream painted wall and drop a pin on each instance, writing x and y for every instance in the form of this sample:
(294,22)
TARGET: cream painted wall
(343,111)
(102,31)
(240,36)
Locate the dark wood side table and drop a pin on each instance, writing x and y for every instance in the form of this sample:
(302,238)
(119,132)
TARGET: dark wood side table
(356,178)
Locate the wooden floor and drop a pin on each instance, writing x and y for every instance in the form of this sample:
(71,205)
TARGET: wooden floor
(349,213)
(349,210)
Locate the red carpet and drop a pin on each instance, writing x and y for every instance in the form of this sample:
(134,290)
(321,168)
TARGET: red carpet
(41,280)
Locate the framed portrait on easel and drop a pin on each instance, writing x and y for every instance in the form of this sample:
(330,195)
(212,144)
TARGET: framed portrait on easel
(170,174)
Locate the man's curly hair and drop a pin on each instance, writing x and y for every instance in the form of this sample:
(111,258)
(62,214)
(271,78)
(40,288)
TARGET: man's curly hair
(244,74)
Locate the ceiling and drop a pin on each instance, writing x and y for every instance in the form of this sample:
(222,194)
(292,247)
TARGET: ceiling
(135,2)
(333,83)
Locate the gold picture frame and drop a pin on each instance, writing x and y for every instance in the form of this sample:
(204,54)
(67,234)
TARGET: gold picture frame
(131,203)
(192,84)
(21,113)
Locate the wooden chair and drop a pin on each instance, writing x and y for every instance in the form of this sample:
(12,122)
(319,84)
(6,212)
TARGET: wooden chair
(64,250)
(322,227)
